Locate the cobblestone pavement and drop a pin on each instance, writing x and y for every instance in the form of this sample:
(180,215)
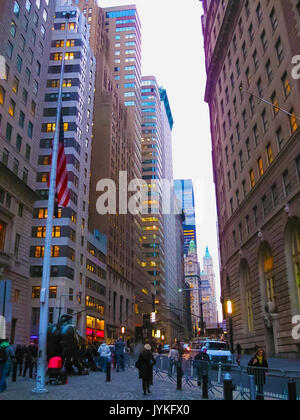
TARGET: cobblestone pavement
(123,386)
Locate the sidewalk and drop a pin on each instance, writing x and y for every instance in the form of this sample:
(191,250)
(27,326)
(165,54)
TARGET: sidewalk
(123,386)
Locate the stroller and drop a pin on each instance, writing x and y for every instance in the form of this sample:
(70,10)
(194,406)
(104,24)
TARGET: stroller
(56,373)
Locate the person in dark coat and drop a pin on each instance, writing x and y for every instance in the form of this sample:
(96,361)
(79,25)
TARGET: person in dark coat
(145,365)
(259,369)
(29,361)
(19,354)
(180,349)
(119,354)
(201,363)
(90,358)
(239,353)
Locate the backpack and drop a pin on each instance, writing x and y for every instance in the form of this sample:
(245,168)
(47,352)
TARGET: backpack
(3,354)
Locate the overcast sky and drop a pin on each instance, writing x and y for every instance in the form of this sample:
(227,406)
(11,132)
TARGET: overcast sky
(172,51)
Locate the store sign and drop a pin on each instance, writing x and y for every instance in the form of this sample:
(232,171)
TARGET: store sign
(90,331)
(153,317)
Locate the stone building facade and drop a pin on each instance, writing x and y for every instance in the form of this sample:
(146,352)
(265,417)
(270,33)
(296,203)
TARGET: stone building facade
(249,47)
(24,44)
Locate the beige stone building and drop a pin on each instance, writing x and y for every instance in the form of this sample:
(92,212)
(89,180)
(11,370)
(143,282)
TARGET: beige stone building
(249,47)
(24,44)
(78,263)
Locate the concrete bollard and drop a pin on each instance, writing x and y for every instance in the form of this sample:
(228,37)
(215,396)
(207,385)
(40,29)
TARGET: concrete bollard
(228,387)
(292,390)
(205,387)
(179,377)
(219,372)
(252,387)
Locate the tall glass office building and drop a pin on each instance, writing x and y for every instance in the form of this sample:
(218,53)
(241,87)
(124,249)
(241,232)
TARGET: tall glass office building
(184,192)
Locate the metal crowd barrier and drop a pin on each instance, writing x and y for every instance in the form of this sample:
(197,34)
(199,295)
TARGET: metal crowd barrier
(249,382)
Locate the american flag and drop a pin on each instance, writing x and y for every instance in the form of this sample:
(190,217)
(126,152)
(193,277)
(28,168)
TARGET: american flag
(62,196)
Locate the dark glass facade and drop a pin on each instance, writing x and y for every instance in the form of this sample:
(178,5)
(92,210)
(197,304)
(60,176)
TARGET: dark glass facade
(185,195)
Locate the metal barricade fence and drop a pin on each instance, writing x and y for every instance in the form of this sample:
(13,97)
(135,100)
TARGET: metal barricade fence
(293,377)
(250,382)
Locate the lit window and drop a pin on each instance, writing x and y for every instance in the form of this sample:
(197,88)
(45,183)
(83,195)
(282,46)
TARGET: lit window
(2,95)
(45,177)
(39,251)
(70,43)
(286,85)
(69,56)
(251,176)
(270,154)
(50,127)
(57,56)
(12,107)
(260,167)
(293,121)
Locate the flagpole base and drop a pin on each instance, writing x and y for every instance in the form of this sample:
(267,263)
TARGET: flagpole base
(40,390)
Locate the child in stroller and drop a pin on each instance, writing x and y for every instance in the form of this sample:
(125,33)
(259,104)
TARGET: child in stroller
(56,372)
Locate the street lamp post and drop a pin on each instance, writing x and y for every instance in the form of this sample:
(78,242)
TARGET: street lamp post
(229,311)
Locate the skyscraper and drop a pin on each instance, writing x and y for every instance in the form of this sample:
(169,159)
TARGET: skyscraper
(208,288)
(71,262)
(117,149)
(253,98)
(135,268)
(193,287)
(153,255)
(173,232)
(184,191)
(124,32)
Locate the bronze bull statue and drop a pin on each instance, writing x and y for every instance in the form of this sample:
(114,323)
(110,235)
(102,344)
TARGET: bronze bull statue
(63,340)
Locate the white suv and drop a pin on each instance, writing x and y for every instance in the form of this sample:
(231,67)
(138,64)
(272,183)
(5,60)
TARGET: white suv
(216,350)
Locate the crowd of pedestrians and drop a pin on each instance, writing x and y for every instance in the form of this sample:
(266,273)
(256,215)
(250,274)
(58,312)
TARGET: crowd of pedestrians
(25,359)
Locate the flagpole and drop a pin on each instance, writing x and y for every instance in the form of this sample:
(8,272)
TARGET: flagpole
(44,293)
